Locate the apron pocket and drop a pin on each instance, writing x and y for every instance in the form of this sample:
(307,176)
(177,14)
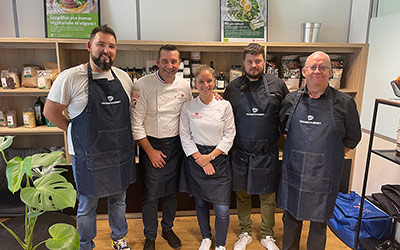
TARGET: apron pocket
(109,140)
(308,172)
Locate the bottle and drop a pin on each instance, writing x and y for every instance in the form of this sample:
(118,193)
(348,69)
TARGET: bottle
(186,71)
(38,108)
(220,81)
(28,117)
(212,65)
(398,141)
(180,70)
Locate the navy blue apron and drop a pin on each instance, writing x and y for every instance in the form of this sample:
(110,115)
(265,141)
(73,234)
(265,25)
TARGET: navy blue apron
(313,160)
(254,157)
(102,139)
(161,182)
(214,188)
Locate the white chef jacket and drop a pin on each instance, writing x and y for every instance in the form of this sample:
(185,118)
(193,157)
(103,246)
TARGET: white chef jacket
(157,106)
(208,125)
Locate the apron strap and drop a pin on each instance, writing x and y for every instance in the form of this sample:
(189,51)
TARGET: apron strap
(299,94)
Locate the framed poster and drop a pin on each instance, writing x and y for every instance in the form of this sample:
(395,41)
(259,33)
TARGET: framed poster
(71,18)
(243,20)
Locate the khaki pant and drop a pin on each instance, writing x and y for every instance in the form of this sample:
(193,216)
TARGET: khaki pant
(267,205)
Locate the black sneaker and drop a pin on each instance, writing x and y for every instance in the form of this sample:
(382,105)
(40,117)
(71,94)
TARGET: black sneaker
(149,244)
(172,239)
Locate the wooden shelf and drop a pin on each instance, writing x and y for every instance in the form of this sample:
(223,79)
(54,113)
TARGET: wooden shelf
(39,130)
(24,92)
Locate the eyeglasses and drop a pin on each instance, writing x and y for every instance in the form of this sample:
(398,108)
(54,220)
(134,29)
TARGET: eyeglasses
(321,68)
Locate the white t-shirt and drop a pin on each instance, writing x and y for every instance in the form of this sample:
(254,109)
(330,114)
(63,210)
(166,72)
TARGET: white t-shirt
(71,88)
(157,106)
(208,125)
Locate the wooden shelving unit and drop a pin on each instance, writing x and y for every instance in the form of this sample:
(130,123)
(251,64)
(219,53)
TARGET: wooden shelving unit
(14,52)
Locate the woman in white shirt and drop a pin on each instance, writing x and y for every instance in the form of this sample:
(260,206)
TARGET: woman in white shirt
(207,130)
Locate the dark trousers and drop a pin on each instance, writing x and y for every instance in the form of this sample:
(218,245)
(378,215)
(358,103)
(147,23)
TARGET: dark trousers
(149,213)
(292,231)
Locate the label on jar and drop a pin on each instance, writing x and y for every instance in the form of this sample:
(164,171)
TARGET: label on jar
(220,84)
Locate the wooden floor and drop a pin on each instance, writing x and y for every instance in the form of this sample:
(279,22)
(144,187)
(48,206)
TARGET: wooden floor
(187,229)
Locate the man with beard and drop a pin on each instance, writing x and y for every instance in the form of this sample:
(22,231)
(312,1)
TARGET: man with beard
(158,100)
(256,99)
(97,98)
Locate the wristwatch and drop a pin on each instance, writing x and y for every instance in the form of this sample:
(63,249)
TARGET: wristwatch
(212,157)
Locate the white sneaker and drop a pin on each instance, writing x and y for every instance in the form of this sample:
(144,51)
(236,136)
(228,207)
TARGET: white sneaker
(220,248)
(205,244)
(120,244)
(243,240)
(269,243)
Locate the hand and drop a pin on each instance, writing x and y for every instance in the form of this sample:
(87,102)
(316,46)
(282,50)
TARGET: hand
(202,160)
(157,158)
(218,97)
(209,169)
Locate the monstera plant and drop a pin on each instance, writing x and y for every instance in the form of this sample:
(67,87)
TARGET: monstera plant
(45,190)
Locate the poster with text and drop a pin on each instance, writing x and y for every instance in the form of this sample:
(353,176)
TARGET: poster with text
(71,18)
(243,20)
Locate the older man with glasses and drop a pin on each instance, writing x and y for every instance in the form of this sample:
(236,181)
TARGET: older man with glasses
(321,124)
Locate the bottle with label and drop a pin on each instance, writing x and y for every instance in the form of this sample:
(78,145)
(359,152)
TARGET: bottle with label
(180,70)
(28,117)
(38,108)
(220,81)
(11,119)
(186,71)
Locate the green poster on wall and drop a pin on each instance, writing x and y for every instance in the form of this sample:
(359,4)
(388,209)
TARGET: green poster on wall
(243,20)
(71,18)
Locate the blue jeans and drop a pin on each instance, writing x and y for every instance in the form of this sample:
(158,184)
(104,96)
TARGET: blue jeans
(221,221)
(86,218)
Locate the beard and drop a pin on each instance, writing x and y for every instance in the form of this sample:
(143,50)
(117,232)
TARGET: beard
(102,65)
(254,76)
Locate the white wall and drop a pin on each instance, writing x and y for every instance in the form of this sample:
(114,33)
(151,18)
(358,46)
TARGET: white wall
(6,19)
(360,15)
(286,16)
(191,20)
(381,171)
(383,66)
(180,20)
(121,16)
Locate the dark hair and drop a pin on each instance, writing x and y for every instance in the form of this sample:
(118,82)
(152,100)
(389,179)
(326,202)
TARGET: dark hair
(103,29)
(168,47)
(253,49)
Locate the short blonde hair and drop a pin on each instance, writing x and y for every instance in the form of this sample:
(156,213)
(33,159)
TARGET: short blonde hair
(203,67)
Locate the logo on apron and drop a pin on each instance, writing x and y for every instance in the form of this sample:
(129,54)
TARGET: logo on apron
(310,119)
(110,99)
(255,110)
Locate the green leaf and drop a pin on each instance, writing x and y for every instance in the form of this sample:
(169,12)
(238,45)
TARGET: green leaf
(16,168)
(64,237)
(34,214)
(5,142)
(51,192)
(48,159)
